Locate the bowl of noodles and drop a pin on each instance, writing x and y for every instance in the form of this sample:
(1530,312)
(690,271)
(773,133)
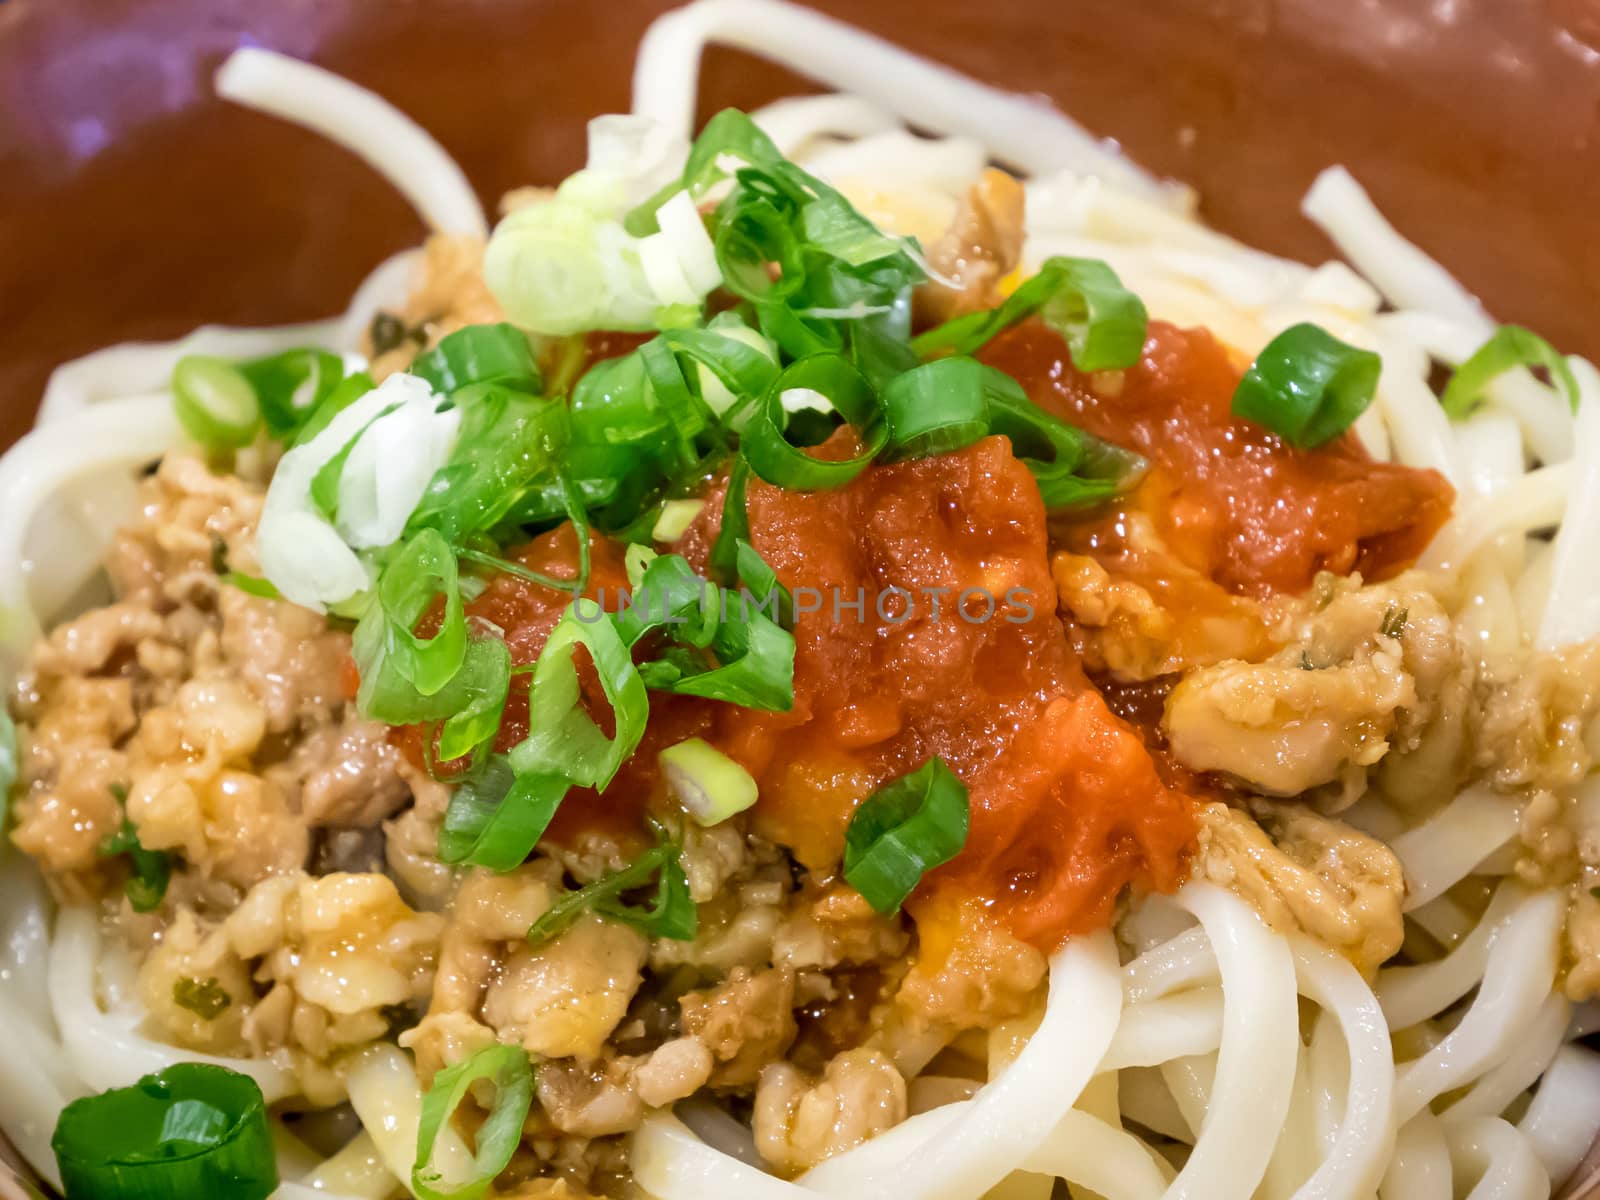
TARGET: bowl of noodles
(852,645)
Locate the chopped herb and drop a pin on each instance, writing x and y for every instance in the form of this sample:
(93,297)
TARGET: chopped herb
(511,1072)
(388,332)
(904,830)
(150,870)
(671,915)
(1305,661)
(194,1129)
(1307,386)
(253,584)
(1393,624)
(205,998)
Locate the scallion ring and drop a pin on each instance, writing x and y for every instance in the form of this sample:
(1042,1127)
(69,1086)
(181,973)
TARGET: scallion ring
(1510,347)
(214,401)
(775,459)
(904,830)
(508,1069)
(190,1130)
(1307,386)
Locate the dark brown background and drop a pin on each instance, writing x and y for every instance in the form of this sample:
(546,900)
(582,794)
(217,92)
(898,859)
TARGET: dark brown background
(132,204)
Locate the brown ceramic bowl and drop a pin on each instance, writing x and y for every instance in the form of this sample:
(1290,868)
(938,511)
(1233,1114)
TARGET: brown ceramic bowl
(135,205)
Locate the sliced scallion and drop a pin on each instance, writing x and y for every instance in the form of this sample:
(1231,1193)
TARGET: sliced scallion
(904,830)
(1510,347)
(480,354)
(214,401)
(710,785)
(563,739)
(1307,386)
(775,459)
(497,817)
(1081,298)
(505,1067)
(190,1130)
(672,914)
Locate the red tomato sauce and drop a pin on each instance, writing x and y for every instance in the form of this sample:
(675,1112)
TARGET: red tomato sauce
(1067,808)
(1229,498)
(928,627)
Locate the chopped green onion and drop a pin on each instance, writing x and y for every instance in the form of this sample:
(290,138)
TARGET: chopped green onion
(1073,468)
(253,584)
(672,914)
(735,527)
(1510,347)
(8,764)
(752,235)
(470,704)
(751,661)
(1307,386)
(497,817)
(505,450)
(424,569)
(480,354)
(775,459)
(1080,298)
(563,739)
(904,830)
(292,385)
(508,1069)
(710,785)
(214,401)
(344,394)
(675,519)
(149,870)
(578,582)
(937,407)
(205,998)
(191,1130)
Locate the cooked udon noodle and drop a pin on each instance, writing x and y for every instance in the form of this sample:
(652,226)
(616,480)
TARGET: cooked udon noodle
(1218,1041)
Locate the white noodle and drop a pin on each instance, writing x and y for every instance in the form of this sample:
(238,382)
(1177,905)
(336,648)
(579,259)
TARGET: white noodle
(1499,1157)
(1255,1066)
(385,1095)
(1517,977)
(1442,851)
(1361,1137)
(1410,994)
(364,123)
(106,1049)
(794,123)
(139,367)
(1020,132)
(1527,1059)
(1172,1027)
(1564,1118)
(1014,1113)
(1341,208)
(1572,613)
(1107,1161)
(1420,1168)
(116,435)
